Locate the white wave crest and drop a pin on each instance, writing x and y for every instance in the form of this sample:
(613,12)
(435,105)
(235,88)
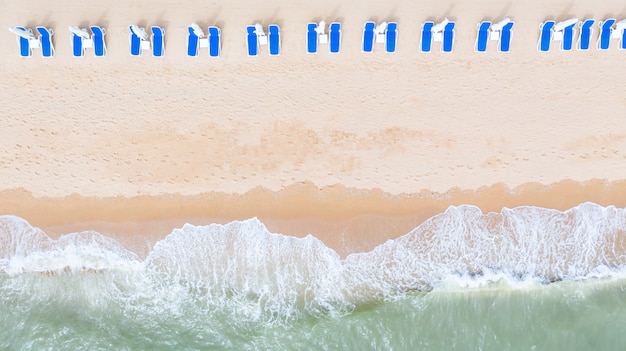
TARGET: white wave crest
(261,275)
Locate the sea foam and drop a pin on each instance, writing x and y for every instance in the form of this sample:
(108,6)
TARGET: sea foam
(242,268)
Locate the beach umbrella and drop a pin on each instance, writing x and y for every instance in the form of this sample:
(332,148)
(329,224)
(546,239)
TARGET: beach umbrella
(562,25)
(321,27)
(381,28)
(258,29)
(440,26)
(81,32)
(140,32)
(197,30)
(501,24)
(26,34)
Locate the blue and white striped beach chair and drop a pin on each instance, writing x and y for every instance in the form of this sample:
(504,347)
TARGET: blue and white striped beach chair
(586,31)
(334,44)
(193,42)
(26,41)
(135,41)
(368,37)
(606,30)
(391,39)
(568,37)
(311,38)
(505,37)
(45,40)
(427,36)
(215,41)
(545,37)
(448,37)
(273,39)
(483,36)
(99,44)
(157,39)
(252,41)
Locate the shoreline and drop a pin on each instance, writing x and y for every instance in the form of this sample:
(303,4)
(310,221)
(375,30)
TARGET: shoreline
(347,220)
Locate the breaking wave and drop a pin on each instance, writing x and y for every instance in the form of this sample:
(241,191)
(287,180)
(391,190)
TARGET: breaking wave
(245,271)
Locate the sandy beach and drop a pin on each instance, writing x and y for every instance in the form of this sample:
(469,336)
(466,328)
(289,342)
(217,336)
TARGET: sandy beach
(352,148)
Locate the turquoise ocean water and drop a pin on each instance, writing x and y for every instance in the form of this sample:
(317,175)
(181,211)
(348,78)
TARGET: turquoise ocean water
(524,279)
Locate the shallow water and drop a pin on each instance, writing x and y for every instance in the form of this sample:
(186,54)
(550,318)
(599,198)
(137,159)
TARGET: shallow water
(524,279)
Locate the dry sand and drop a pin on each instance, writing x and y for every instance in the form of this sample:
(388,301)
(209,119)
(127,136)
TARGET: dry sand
(157,142)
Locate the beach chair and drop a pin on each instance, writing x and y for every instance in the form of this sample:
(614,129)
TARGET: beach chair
(427,36)
(545,38)
(504,43)
(392,37)
(45,41)
(448,37)
(586,30)
(483,36)
(334,45)
(135,38)
(274,39)
(193,41)
(620,33)
(26,41)
(564,32)
(80,40)
(606,29)
(311,38)
(157,38)
(252,41)
(568,37)
(215,41)
(99,44)
(368,36)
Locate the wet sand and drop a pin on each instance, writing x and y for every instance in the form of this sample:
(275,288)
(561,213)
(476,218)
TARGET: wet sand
(347,220)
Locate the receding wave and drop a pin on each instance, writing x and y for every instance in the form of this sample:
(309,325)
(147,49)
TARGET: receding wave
(245,271)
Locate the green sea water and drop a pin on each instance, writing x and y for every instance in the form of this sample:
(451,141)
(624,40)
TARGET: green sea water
(77,311)
(524,279)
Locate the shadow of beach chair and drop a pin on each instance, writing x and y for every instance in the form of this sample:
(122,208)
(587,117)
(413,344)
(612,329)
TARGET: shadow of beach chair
(606,30)
(99,44)
(545,37)
(448,37)
(157,38)
(334,45)
(45,41)
(427,36)
(482,36)
(252,41)
(215,41)
(368,37)
(311,38)
(274,39)
(586,31)
(392,37)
